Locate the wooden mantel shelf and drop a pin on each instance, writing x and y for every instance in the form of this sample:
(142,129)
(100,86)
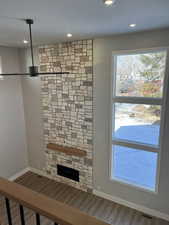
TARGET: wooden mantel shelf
(66,150)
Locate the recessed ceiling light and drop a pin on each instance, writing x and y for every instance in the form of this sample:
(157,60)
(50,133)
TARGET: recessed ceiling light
(132,25)
(109,2)
(69,35)
(25,41)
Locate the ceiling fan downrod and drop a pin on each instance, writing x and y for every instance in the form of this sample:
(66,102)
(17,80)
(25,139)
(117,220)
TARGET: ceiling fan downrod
(33,70)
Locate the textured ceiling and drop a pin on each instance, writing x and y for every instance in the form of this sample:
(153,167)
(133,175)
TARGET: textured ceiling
(82,18)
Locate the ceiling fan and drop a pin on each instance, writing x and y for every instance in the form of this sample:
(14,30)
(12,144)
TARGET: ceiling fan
(33,69)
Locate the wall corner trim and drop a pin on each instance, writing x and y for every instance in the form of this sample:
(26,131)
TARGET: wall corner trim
(19,174)
(31,169)
(140,208)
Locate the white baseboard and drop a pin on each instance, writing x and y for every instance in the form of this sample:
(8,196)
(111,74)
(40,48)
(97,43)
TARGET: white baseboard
(34,170)
(140,208)
(19,174)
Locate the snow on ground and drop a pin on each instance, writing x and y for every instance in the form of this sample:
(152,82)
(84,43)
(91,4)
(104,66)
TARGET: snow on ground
(135,166)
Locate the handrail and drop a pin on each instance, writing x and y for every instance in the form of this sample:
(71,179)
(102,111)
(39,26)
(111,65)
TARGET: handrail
(56,211)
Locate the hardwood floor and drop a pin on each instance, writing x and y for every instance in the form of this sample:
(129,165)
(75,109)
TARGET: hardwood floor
(105,210)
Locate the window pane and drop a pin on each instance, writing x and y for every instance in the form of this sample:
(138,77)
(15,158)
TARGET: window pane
(137,122)
(134,166)
(140,75)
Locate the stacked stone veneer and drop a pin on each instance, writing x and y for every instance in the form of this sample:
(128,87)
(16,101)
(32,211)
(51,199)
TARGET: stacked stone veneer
(68,107)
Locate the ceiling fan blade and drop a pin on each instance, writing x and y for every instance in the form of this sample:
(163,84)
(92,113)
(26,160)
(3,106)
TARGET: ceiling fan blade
(32,75)
(14,74)
(52,73)
(11,18)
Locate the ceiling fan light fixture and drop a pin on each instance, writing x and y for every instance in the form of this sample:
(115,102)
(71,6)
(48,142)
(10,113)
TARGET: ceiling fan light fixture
(33,70)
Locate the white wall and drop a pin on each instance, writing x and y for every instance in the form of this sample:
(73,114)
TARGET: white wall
(13,150)
(103,49)
(33,115)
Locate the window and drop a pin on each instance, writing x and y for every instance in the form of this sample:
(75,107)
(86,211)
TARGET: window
(138,84)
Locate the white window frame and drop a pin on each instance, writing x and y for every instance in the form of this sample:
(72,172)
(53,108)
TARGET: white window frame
(137,100)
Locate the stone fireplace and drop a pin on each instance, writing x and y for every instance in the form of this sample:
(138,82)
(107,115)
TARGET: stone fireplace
(67,102)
